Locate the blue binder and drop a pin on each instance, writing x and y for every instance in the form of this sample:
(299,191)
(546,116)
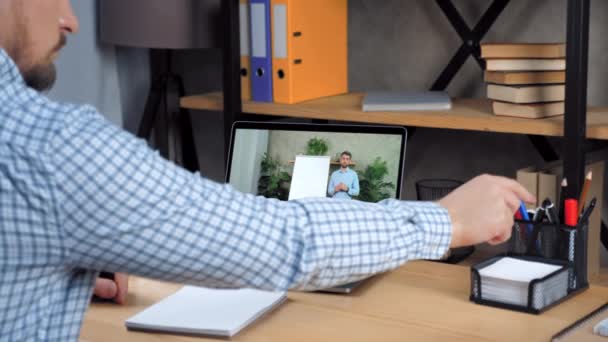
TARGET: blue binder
(261,53)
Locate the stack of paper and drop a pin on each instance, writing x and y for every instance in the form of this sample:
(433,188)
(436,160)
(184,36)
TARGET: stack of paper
(508,280)
(200,311)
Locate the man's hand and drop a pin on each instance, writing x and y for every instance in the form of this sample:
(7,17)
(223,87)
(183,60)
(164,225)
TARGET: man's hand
(115,290)
(338,188)
(482,210)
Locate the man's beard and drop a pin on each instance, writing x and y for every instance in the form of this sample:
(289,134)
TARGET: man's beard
(42,76)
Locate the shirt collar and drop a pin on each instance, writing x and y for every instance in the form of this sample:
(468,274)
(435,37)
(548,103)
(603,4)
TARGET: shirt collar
(9,72)
(345,171)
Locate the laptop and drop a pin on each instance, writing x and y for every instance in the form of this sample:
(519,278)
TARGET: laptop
(274,160)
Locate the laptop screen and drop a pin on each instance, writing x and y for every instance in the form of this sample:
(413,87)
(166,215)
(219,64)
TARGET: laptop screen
(294,161)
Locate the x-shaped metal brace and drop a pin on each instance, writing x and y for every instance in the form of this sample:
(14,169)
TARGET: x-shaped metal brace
(471,47)
(470,38)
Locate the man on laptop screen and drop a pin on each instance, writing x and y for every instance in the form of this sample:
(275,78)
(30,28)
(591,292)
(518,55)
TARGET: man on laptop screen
(344,183)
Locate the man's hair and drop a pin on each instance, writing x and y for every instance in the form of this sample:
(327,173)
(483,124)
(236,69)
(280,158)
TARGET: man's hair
(346,153)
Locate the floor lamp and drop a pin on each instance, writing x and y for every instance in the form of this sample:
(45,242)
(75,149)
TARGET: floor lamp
(163,26)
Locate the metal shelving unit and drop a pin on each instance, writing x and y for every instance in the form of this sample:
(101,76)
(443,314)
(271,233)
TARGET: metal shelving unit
(575,120)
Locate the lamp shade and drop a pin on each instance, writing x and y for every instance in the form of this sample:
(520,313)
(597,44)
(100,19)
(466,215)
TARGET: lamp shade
(160,24)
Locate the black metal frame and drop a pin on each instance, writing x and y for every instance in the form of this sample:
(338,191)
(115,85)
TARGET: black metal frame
(575,121)
(233,107)
(544,148)
(576,76)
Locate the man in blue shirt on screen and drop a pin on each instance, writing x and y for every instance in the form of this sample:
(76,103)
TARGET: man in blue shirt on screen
(344,183)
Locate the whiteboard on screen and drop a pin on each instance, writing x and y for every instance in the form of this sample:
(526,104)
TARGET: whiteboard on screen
(310,177)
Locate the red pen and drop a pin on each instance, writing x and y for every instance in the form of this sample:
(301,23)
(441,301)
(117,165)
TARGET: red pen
(571,212)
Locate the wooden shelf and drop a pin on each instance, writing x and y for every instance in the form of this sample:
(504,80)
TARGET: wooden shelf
(466,114)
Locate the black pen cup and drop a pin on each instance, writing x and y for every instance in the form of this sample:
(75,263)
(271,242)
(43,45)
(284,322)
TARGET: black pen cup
(554,242)
(548,243)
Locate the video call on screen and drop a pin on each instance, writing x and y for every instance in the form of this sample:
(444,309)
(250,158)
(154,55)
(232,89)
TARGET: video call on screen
(291,165)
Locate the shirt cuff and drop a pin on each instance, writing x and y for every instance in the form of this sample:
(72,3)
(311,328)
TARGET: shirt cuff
(435,226)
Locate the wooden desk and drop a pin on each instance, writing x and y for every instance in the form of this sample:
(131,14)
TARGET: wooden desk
(420,301)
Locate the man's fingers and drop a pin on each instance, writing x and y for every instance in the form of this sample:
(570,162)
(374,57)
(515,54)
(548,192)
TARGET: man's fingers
(499,240)
(105,288)
(512,202)
(518,190)
(122,283)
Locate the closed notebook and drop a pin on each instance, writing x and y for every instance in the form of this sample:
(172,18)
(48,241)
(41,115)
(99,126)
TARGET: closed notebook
(526,77)
(310,49)
(407,101)
(210,312)
(527,94)
(530,111)
(525,64)
(245,50)
(523,50)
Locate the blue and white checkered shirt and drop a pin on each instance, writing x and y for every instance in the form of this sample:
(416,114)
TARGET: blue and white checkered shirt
(79,195)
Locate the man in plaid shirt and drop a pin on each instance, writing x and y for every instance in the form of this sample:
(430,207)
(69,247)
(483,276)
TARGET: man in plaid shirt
(79,195)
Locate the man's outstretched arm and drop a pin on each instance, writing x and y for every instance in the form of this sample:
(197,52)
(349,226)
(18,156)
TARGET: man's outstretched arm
(126,209)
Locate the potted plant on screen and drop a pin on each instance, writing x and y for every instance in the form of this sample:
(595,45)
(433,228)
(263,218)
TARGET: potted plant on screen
(372,184)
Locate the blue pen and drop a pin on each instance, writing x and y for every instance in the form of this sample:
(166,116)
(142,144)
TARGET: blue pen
(524,215)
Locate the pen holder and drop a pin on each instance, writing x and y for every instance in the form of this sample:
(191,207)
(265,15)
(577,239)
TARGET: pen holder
(548,243)
(554,242)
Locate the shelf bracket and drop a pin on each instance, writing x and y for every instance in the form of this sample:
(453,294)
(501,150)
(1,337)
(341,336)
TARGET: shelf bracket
(470,38)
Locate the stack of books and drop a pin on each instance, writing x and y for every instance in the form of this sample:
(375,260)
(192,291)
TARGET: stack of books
(525,79)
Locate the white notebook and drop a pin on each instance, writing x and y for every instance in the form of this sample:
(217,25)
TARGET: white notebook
(209,312)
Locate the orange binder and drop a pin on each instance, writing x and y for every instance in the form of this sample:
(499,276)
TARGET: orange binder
(310,52)
(245,50)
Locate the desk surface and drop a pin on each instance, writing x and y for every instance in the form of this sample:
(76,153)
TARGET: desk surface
(420,301)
